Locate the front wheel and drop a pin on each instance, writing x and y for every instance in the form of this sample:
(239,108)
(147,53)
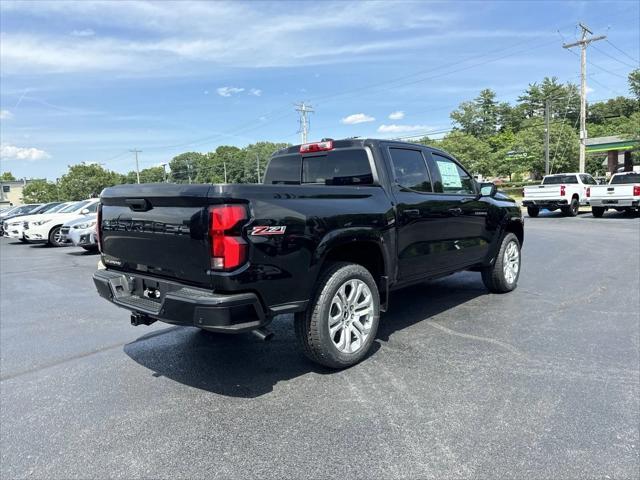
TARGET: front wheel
(340,325)
(533,211)
(597,211)
(502,276)
(55,237)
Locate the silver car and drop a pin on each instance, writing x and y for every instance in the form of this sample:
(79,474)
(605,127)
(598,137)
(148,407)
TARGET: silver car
(81,232)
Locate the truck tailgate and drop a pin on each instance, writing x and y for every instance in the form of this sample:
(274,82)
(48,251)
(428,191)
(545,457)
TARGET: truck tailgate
(615,191)
(542,192)
(158,229)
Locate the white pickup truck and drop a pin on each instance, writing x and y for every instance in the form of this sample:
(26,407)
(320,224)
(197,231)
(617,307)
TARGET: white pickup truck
(564,191)
(622,194)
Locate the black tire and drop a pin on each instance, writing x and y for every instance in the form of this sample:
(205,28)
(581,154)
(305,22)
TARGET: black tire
(533,211)
(92,248)
(23,240)
(53,233)
(573,208)
(312,326)
(494,277)
(597,211)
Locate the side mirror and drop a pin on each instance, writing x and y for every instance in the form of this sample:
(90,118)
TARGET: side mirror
(488,189)
(84,211)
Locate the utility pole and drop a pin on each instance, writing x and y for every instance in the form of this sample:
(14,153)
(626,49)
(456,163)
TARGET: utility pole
(583,43)
(189,170)
(164,168)
(136,152)
(304,109)
(547,106)
(224,165)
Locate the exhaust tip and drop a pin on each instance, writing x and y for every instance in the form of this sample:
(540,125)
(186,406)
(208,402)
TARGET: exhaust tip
(263,334)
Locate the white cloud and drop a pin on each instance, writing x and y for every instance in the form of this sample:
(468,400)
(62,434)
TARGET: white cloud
(228,91)
(5,115)
(256,92)
(399,115)
(590,90)
(393,128)
(357,118)
(11,152)
(87,32)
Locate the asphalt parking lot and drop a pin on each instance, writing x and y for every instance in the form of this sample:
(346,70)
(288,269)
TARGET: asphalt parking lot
(540,383)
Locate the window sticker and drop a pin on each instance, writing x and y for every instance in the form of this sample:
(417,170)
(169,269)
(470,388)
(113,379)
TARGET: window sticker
(449,174)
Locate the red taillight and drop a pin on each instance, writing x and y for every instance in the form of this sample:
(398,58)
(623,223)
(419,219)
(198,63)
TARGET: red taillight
(636,190)
(99,228)
(316,146)
(588,192)
(228,248)
(562,190)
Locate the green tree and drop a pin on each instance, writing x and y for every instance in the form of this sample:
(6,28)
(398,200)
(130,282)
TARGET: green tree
(40,191)
(634,83)
(147,175)
(7,177)
(601,112)
(529,148)
(86,180)
(474,153)
(184,165)
(478,117)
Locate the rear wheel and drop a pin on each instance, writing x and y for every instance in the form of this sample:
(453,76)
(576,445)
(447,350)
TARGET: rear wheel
(533,211)
(55,237)
(502,276)
(340,325)
(597,211)
(572,209)
(23,240)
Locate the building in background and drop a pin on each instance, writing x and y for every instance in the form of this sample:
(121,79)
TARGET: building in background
(11,192)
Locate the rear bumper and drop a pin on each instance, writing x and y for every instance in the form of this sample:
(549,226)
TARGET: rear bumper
(613,202)
(179,304)
(545,203)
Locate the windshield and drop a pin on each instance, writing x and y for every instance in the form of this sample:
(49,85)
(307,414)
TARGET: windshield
(558,179)
(71,207)
(626,178)
(53,208)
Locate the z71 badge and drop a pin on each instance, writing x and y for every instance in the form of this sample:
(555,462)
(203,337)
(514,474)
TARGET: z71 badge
(266,230)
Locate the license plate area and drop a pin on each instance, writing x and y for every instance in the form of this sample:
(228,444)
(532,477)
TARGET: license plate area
(610,202)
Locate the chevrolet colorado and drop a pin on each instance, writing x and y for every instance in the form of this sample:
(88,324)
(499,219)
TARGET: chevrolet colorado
(335,227)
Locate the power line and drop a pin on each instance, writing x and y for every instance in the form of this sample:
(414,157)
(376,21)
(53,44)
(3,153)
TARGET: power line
(623,52)
(613,58)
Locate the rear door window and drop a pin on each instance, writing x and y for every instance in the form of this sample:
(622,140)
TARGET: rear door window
(453,179)
(338,167)
(410,170)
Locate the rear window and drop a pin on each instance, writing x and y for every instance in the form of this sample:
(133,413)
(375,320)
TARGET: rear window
(336,167)
(558,179)
(628,178)
(284,170)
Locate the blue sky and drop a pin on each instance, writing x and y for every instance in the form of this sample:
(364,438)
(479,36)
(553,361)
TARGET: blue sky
(87,81)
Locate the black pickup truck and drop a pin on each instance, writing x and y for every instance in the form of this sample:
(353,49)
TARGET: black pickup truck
(336,226)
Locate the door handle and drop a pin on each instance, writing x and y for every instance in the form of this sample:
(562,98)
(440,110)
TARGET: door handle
(412,213)
(455,211)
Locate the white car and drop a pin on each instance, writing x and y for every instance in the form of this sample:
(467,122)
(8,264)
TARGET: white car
(564,191)
(622,194)
(13,227)
(46,228)
(82,232)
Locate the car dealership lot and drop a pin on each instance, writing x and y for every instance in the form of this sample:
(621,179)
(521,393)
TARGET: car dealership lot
(540,383)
